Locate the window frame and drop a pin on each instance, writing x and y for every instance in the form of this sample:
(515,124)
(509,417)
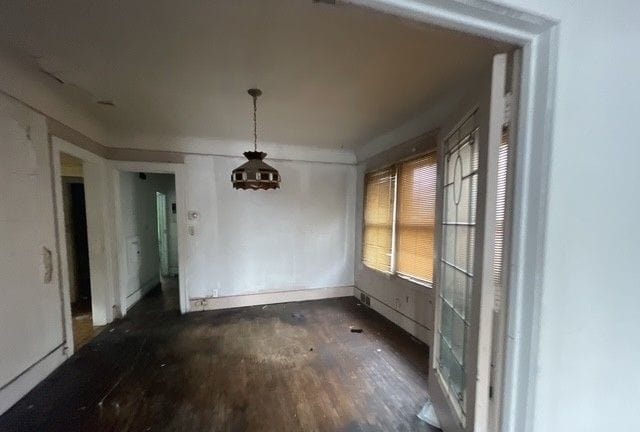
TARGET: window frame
(388,167)
(394,166)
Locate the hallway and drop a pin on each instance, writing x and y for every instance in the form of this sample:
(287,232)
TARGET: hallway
(284,367)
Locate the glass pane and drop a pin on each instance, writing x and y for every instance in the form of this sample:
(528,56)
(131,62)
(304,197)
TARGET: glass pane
(452,371)
(460,292)
(449,241)
(461,247)
(457,253)
(448,283)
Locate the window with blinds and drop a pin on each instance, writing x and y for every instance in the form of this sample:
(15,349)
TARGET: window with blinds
(399,218)
(415,222)
(498,247)
(378,219)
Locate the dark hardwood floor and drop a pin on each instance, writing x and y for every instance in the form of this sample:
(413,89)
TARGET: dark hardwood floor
(286,367)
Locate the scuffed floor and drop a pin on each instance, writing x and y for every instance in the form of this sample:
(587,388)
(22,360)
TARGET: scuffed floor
(287,367)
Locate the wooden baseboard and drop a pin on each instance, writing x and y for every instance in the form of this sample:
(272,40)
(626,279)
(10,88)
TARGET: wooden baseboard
(13,391)
(214,303)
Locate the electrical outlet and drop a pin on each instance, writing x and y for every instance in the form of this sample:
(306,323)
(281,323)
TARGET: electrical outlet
(363,298)
(214,293)
(397,303)
(367,300)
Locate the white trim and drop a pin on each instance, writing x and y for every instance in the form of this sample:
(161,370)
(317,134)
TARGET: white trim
(538,37)
(410,325)
(230,148)
(62,251)
(215,303)
(487,293)
(25,382)
(177,169)
(59,145)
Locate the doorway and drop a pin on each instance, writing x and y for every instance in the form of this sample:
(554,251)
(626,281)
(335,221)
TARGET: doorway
(77,249)
(148,235)
(163,250)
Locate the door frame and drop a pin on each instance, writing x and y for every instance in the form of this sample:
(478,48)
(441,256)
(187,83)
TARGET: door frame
(102,294)
(177,169)
(163,238)
(537,36)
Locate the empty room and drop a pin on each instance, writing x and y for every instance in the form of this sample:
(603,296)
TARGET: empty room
(318,215)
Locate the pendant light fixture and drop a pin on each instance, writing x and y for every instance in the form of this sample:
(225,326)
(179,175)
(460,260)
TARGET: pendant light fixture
(255,173)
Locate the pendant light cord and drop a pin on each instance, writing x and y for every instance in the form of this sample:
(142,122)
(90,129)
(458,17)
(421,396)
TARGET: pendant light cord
(255,127)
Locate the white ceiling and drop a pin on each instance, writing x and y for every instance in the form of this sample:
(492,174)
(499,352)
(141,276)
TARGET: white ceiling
(332,76)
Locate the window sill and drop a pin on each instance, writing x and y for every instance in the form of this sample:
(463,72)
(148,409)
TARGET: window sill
(378,271)
(414,281)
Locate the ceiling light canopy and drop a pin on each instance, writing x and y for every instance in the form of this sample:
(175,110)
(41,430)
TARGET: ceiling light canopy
(255,174)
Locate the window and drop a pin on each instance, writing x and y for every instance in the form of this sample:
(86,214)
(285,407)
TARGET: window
(416,217)
(398,234)
(498,248)
(378,219)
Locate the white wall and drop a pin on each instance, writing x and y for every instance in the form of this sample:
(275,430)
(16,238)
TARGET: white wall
(31,321)
(139,224)
(298,237)
(587,376)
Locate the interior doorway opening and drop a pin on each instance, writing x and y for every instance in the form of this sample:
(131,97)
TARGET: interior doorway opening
(163,240)
(149,233)
(76,237)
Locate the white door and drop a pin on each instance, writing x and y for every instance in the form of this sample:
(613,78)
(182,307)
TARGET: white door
(468,164)
(161,210)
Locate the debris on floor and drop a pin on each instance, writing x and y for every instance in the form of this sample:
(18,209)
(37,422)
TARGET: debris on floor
(264,307)
(297,315)
(355,329)
(428,414)
(310,349)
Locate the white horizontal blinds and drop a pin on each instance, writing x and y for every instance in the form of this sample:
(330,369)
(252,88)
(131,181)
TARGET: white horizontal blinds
(498,248)
(378,219)
(416,217)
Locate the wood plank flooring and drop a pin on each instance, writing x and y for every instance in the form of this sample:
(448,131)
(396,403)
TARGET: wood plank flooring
(286,367)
